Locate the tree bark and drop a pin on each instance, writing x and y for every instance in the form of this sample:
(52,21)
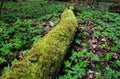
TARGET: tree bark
(2,2)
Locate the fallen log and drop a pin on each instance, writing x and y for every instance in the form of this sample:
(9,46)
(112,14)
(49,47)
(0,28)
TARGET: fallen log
(44,59)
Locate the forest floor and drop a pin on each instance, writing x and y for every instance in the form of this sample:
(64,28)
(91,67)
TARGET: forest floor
(22,24)
(94,53)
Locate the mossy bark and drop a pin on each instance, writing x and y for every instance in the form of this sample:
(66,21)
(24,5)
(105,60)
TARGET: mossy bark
(44,59)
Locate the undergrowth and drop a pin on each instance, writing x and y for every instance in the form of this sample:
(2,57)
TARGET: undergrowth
(95,52)
(21,26)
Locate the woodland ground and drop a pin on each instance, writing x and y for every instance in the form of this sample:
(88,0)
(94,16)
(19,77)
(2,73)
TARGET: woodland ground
(94,53)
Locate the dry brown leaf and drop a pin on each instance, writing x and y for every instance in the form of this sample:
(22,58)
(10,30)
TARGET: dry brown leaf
(51,23)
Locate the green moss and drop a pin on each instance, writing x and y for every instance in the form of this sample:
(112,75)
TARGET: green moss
(44,59)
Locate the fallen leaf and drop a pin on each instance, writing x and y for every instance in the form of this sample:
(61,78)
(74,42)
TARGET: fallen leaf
(19,55)
(51,23)
(104,39)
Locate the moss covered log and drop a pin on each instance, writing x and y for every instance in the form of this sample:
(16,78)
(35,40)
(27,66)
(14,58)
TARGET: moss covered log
(44,59)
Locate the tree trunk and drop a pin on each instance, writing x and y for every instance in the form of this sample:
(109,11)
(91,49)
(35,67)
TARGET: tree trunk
(2,2)
(44,59)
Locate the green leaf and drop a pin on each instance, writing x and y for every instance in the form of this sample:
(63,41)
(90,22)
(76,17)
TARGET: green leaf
(96,34)
(80,54)
(107,57)
(111,74)
(89,54)
(78,41)
(114,49)
(104,46)
(2,60)
(117,64)
(74,56)
(67,64)
(99,77)
(95,58)
(14,61)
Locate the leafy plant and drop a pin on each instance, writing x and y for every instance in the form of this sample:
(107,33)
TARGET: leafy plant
(74,56)
(96,34)
(80,54)
(108,57)
(67,64)
(104,46)
(78,41)
(117,64)
(111,74)
(114,49)
(14,61)
(21,25)
(2,60)
(99,77)
(95,58)
(77,71)
(36,39)
(105,25)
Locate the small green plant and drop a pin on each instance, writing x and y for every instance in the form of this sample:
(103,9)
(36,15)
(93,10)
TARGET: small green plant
(114,49)
(117,64)
(80,54)
(111,74)
(99,77)
(67,64)
(92,56)
(75,67)
(103,62)
(104,34)
(2,60)
(79,69)
(78,41)
(107,57)
(25,52)
(96,34)
(76,71)
(74,56)
(104,46)
(85,33)
(36,39)
(95,58)
(14,61)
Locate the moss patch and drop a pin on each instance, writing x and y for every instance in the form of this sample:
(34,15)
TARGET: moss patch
(44,59)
